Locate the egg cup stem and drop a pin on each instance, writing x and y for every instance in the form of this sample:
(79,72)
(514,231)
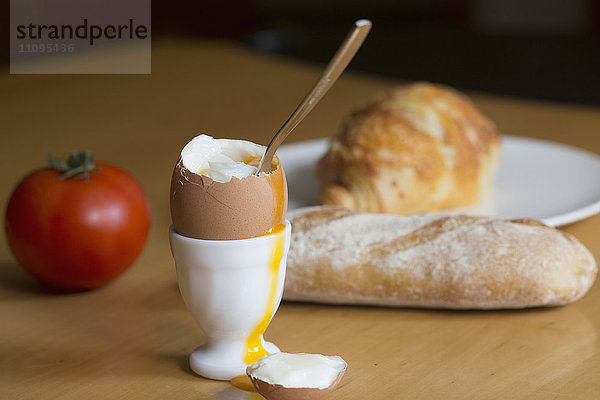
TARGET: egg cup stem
(232,288)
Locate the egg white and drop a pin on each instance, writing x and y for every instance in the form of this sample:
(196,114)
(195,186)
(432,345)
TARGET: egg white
(220,159)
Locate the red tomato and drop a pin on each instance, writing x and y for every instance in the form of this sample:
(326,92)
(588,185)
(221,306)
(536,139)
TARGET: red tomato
(77,234)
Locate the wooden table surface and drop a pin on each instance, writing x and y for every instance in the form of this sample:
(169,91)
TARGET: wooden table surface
(131,339)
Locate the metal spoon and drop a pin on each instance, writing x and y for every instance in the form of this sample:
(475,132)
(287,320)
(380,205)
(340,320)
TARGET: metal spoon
(336,66)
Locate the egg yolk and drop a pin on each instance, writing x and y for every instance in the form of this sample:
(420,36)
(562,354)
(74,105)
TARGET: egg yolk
(243,382)
(255,162)
(278,186)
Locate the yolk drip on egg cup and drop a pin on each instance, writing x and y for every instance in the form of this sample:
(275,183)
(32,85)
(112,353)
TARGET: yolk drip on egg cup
(255,349)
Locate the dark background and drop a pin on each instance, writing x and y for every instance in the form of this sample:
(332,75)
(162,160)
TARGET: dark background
(542,49)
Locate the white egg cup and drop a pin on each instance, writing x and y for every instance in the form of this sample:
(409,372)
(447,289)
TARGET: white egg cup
(225,285)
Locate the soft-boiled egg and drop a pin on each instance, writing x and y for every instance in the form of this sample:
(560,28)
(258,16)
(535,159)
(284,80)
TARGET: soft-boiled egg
(215,194)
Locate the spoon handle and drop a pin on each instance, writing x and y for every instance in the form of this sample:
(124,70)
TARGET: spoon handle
(336,66)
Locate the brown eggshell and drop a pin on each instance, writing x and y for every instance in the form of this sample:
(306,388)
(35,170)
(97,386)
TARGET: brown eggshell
(272,391)
(202,208)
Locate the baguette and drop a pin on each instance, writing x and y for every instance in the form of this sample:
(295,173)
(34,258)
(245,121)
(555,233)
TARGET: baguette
(458,262)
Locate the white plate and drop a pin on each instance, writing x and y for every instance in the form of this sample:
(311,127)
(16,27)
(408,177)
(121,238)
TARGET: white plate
(552,182)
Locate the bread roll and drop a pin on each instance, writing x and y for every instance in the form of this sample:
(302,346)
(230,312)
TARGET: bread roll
(414,149)
(459,262)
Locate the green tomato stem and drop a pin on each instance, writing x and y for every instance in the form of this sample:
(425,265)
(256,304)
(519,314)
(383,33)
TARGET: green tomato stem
(78,165)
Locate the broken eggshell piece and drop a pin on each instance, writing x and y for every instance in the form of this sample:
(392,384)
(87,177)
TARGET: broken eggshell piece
(302,376)
(203,208)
